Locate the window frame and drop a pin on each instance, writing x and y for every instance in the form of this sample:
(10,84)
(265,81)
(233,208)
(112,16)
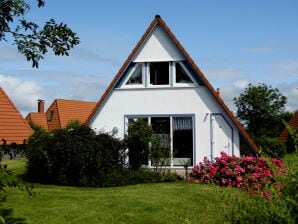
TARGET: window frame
(130,73)
(148,74)
(171,116)
(178,84)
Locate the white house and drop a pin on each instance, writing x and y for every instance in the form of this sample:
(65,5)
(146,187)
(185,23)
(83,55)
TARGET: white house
(160,83)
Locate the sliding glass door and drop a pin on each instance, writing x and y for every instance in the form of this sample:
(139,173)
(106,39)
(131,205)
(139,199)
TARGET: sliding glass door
(175,133)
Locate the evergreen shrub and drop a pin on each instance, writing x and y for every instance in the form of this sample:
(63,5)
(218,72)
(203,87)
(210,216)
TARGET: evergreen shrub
(272,147)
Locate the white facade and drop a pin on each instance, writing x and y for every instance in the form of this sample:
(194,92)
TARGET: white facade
(213,130)
(194,101)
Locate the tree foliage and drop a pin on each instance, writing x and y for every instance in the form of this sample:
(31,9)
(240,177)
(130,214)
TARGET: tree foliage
(261,108)
(293,137)
(139,134)
(32,40)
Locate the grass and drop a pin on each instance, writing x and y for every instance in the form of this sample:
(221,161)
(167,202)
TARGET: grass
(147,203)
(292,160)
(18,166)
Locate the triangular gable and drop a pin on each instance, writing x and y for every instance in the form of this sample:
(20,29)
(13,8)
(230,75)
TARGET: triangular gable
(158,47)
(135,56)
(13,127)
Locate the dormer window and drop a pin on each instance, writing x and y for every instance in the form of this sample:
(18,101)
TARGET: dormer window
(136,77)
(159,73)
(181,75)
(50,118)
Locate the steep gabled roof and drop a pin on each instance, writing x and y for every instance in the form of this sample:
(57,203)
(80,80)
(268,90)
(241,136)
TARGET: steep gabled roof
(73,110)
(38,119)
(13,127)
(159,20)
(283,137)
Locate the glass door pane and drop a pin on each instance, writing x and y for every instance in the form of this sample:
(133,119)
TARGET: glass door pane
(161,127)
(182,141)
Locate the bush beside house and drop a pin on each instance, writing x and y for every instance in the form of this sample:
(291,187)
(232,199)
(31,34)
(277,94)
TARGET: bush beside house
(77,156)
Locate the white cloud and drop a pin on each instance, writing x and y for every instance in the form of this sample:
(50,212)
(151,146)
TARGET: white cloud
(49,86)
(22,93)
(290,90)
(223,76)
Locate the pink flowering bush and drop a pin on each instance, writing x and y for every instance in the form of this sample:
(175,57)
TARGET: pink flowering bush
(255,175)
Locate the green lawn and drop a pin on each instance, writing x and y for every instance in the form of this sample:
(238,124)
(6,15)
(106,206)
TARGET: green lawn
(147,203)
(292,160)
(18,166)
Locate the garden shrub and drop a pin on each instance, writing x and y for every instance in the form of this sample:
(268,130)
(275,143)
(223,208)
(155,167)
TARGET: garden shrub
(37,158)
(256,209)
(272,147)
(255,175)
(80,157)
(290,193)
(74,156)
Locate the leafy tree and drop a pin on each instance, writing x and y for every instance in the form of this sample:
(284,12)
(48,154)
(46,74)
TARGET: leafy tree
(32,40)
(260,108)
(139,135)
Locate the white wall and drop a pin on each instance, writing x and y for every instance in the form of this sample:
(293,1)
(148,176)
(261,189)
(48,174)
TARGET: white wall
(158,47)
(164,101)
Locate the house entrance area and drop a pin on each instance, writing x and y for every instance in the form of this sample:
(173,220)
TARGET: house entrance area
(175,133)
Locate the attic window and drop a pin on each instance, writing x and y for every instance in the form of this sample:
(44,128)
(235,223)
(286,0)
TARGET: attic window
(136,76)
(51,115)
(181,75)
(159,73)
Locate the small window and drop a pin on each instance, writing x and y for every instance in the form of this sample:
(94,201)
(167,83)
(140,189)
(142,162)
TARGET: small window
(136,76)
(51,115)
(181,75)
(159,73)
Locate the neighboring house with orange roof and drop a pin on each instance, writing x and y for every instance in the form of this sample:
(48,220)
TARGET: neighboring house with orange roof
(60,113)
(161,84)
(13,127)
(38,118)
(283,137)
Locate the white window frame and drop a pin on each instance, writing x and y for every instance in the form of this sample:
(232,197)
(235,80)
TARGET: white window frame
(148,75)
(177,84)
(132,70)
(171,116)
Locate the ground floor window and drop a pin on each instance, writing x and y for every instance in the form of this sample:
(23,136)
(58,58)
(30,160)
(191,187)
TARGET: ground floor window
(174,132)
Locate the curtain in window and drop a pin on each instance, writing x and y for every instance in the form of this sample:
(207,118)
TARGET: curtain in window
(182,123)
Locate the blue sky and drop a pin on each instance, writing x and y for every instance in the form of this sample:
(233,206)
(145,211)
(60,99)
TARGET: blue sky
(233,42)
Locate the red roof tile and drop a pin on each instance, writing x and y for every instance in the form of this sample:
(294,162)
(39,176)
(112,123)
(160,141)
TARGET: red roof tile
(283,137)
(159,20)
(13,127)
(38,119)
(64,111)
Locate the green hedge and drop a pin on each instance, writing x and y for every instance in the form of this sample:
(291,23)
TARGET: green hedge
(79,157)
(272,147)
